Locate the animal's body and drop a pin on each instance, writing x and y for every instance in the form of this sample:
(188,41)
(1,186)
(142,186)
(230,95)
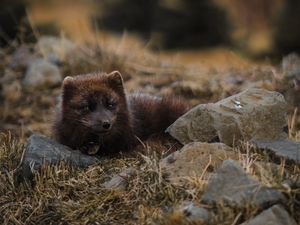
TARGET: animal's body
(96,111)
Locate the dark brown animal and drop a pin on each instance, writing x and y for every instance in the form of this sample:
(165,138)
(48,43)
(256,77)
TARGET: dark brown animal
(96,111)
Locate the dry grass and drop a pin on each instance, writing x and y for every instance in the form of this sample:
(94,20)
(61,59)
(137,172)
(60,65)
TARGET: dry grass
(62,194)
(65,195)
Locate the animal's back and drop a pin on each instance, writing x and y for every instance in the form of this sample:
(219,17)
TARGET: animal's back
(151,115)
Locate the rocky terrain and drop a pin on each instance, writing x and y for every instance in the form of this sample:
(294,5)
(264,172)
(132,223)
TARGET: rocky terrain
(239,163)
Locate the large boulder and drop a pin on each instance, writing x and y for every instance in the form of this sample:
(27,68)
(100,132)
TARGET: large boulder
(40,151)
(232,186)
(252,114)
(195,159)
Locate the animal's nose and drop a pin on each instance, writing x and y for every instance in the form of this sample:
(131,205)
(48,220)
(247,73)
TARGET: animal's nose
(106,125)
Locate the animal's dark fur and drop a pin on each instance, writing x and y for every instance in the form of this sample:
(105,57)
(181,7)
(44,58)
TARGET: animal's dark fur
(84,107)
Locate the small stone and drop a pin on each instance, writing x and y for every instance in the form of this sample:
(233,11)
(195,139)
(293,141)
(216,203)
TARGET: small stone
(9,77)
(21,58)
(52,58)
(291,65)
(293,183)
(119,182)
(41,74)
(234,187)
(252,114)
(12,92)
(55,49)
(195,159)
(234,80)
(276,215)
(284,148)
(267,171)
(290,81)
(195,213)
(192,89)
(41,150)
(297,182)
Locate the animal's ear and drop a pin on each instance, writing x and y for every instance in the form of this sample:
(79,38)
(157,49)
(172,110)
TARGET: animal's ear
(68,87)
(68,81)
(115,79)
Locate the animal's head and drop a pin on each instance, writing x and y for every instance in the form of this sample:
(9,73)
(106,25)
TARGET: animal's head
(94,100)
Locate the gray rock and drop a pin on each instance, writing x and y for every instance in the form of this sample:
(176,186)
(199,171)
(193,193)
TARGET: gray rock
(8,77)
(267,171)
(195,213)
(291,65)
(119,181)
(192,89)
(41,150)
(41,74)
(292,183)
(234,187)
(12,92)
(290,80)
(285,148)
(297,182)
(276,215)
(52,58)
(254,113)
(21,58)
(55,48)
(195,159)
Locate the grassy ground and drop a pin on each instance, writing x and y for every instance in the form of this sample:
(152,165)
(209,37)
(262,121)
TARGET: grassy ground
(65,195)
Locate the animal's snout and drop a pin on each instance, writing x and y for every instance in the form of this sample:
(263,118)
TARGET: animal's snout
(106,125)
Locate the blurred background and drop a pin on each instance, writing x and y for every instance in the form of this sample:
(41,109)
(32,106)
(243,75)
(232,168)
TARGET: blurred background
(203,50)
(252,29)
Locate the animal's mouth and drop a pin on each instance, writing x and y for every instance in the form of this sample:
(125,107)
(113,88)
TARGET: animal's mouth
(102,132)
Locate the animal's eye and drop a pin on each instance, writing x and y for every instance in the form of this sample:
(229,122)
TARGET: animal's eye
(84,108)
(92,105)
(111,104)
